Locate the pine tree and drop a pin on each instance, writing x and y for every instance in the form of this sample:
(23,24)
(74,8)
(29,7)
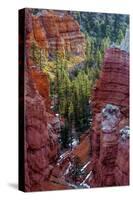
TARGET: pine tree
(64,135)
(105,44)
(88,47)
(98,58)
(119,37)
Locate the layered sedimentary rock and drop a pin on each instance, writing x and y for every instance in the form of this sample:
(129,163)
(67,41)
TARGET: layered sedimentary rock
(41,149)
(55,32)
(52,32)
(113,84)
(110,104)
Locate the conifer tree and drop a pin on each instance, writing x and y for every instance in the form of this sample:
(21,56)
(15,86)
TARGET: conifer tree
(98,58)
(120,37)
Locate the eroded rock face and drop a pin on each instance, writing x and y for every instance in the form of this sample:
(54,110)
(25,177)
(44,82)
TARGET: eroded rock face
(122,161)
(113,84)
(55,32)
(41,149)
(110,131)
(52,32)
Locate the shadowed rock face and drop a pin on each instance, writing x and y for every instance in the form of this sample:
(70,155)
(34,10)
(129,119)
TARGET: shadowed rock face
(52,32)
(43,168)
(110,132)
(55,32)
(122,161)
(113,84)
(41,149)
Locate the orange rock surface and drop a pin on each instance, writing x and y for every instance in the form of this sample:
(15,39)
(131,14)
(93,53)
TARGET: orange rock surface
(42,85)
(83,149)
(55,32)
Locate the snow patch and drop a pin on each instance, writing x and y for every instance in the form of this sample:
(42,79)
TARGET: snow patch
(85,185)
(75,142)
(57,115)
(84,167)
(110,115)
(63,156)
(86,178)
(68,168)
(125,133)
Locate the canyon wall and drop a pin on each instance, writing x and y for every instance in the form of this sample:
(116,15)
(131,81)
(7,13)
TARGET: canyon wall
(44,168)
(41,148)
(110,131)
(55,32)
(113,84)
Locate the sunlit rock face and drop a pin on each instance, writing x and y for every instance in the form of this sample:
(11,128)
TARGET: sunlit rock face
(55,32)
(41,148)
(110,126)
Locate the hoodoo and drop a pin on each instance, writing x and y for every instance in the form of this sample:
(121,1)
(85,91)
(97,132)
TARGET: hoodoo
(110,104)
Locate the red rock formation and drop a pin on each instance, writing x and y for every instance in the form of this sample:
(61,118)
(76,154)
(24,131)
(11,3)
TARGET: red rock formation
(55,32)
(42,85)
(110,103)
(51,32)
(113,85)
(39,33)
(61,172)
(41,149)
(122,163)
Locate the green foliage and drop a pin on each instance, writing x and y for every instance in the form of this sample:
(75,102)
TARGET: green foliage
(71,95)
(65,138)
(95,51)
(38,55)
(98,58)
(81,87)
(101,30)
(72,98)
(105,44)
(120,37)
(102,25)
